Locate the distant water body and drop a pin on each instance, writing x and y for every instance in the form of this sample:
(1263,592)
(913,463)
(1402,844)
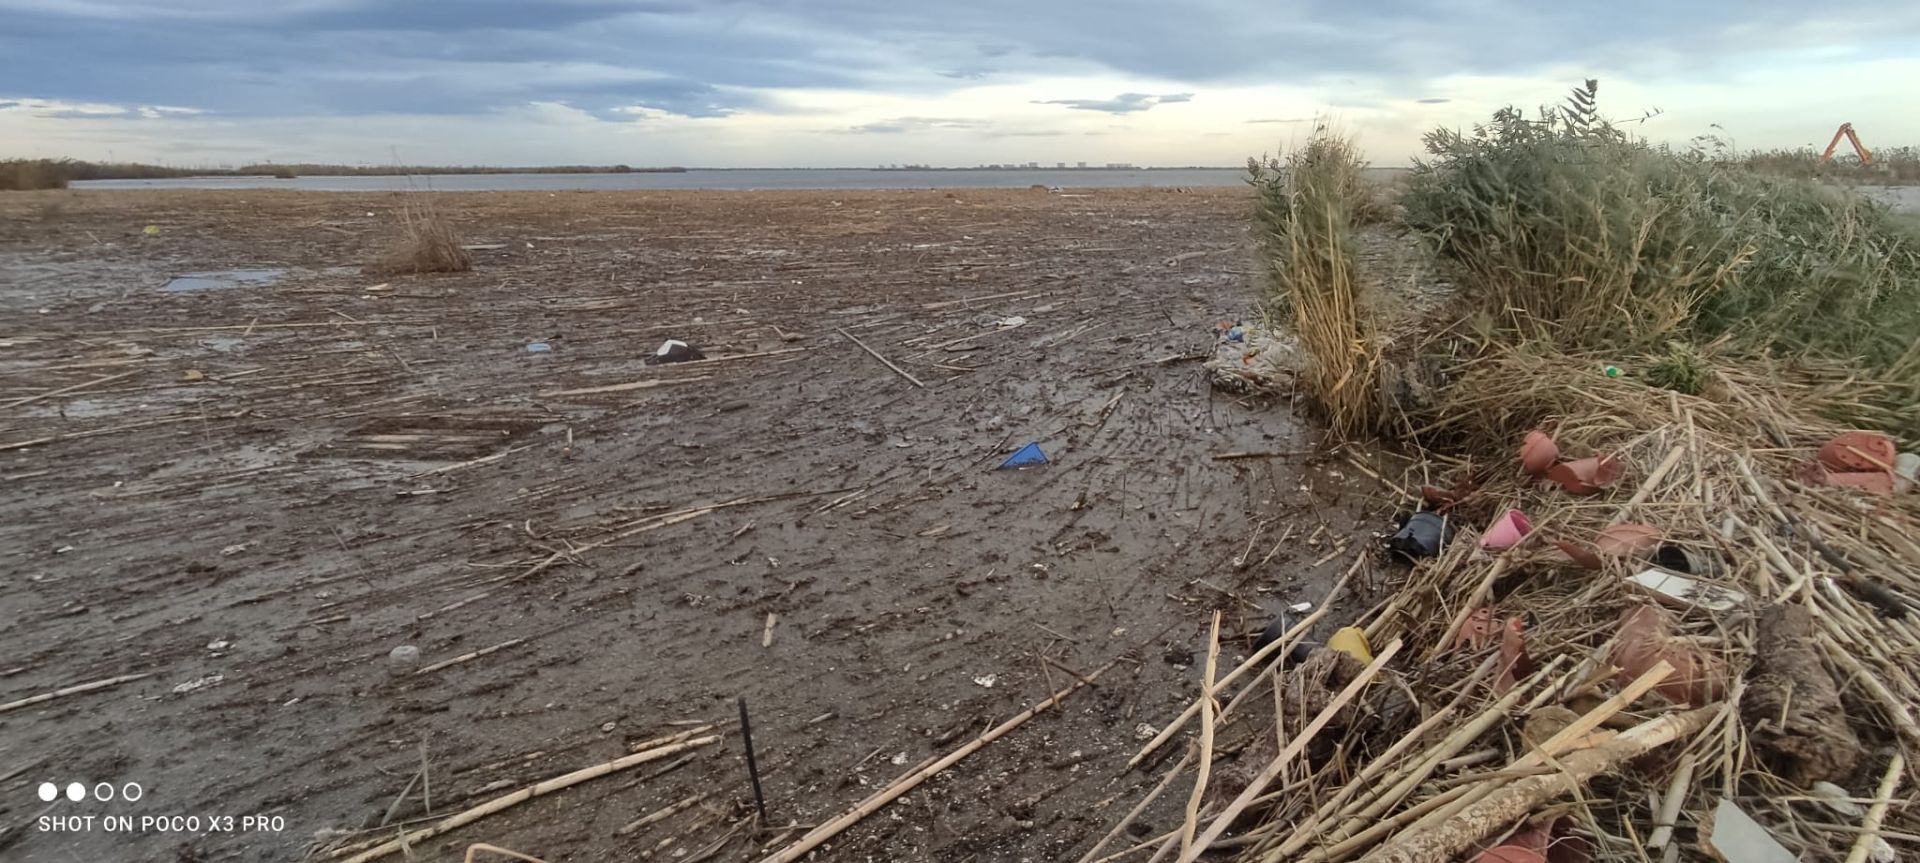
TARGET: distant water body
(697,179)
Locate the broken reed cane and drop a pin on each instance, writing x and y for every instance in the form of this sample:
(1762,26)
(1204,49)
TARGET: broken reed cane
(1257,660)
(1489,815)
(1286,756)
(460,819)
(818,835)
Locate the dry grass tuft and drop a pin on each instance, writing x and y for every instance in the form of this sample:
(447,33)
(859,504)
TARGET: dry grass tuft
(1307,207)
(427,244)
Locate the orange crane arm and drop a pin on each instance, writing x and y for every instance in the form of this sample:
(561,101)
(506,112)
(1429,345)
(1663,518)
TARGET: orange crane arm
(1846,131)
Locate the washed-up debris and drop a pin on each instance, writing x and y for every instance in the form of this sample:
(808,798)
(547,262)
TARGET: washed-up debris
(1645,642)
(1791,702)
(539,348)
(1627,540)
(1257,361)
(1682,592)
(199,683)
(1538,454)
(1026,456)
(1352,641)
(1421,535)
(675,351)
(1906,472)
(1281,623)
(1737,838)
(1858,451)
(1586,476)
(1506,531)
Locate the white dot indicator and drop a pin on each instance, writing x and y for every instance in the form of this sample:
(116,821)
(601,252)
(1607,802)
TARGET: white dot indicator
(76,792)
(48,791)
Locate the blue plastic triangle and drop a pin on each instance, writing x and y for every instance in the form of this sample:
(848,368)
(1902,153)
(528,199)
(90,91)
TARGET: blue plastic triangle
(1026,456)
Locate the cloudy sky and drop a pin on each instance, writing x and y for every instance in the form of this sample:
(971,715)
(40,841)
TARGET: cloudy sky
(739,83)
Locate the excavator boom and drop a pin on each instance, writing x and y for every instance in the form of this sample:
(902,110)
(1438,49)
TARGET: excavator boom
(1846,131)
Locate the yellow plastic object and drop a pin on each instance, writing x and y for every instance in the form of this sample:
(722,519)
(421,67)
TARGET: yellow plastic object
(152,231)
(1351,641)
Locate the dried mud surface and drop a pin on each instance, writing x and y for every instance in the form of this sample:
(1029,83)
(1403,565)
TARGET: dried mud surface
(252,493)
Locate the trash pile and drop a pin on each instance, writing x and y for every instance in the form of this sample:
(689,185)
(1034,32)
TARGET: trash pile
(1249,358)
(1663,631)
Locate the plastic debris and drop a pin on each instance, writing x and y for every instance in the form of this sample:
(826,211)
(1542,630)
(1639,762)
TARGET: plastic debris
(1507,531)
(1858,451)
(1538,453)
(199,683)
(675,351)
(1026,456)
(1352,641)
(1698,678)
(539,348)
(1681,592)
(1421,535)
(1628,540)
(1281,623)
(1587,475)
(1738,838)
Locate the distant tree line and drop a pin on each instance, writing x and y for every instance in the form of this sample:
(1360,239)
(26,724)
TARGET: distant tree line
(21,174)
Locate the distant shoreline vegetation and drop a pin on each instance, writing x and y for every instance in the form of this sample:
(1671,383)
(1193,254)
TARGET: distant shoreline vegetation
(21,174)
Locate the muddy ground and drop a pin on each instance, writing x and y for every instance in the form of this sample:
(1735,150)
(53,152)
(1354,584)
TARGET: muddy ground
(252,491)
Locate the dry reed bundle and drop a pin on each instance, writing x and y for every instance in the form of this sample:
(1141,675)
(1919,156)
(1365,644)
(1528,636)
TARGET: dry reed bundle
(1308,207)
(427,244)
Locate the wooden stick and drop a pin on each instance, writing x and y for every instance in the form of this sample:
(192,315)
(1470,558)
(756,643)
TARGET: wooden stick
(912,780)
(1488,816)
(64,390)
(1870,827)
(468,657)
(1207,710)
(1286,756)
(1284,642)
(1230,456)
(766,633)
(71,690)
(509,801)
(876,355)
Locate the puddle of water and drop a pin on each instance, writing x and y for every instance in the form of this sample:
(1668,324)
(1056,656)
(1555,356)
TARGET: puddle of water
(222,279)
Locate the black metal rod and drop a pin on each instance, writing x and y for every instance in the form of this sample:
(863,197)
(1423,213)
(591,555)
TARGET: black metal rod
(753,767)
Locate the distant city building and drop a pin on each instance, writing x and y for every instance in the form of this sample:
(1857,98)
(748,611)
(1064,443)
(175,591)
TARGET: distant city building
(1082,165)
(1059,164)
(1033,164)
